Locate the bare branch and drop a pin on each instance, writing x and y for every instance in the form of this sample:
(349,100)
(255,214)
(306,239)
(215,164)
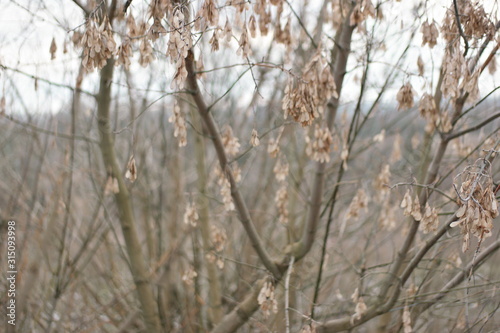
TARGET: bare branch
(126,5)
(85,9)
(56,134)
(241,313)
(459,25)
(34,77)
(287,294)
(311,225)
(311,39)
(452,136)
(138,266)
(472,266)
(244,214)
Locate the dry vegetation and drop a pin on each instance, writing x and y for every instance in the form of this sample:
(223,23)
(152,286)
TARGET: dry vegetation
(256,166)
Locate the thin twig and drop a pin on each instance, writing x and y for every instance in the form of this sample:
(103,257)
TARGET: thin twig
(426,186)
(465,158)
(302,247)
(239,202)
(475,105)
(347,323)
(490,57)
(460,276)
(37,78)
(230,88)
(452,136)
(469,278)
(287,287)
(313,43)
(131,122)
(460,30)
(56,134)
(127,4)
(85,9)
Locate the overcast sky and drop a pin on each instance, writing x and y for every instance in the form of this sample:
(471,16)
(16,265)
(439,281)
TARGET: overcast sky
(28,27)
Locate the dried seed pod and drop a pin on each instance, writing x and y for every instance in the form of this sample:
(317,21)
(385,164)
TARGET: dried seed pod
(53,49)
(191,216)
(405,97)
(254,140)
(230,142)
(430,34)
(131,173)
(304,98)
(319,148)
(267,299)
(477,203)
(180,131)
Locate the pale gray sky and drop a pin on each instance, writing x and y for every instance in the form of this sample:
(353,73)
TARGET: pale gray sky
(28,26)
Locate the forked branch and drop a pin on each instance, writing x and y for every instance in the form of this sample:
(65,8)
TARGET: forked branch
(240,205)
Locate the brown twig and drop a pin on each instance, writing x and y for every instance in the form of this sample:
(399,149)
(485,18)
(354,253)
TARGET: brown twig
(452,136)
(244,214)
(56,134)
(126,5)
(301,248)
(460,30)
(38,78)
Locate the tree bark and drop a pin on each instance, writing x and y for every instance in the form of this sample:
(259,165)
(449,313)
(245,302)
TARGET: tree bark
(214,289)
(138,265)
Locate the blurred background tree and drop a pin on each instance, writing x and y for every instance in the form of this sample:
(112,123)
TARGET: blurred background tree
(268,165)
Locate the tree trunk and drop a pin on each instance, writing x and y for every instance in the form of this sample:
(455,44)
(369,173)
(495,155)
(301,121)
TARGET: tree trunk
(138,265)
(214,291)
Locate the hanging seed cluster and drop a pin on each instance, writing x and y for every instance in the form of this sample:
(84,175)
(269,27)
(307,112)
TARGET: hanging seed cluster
(405,97)
(218,237)
(477,203)
(178,119)
(178,46)
(191,216)
(319,147)
(429,112)
(362,11)
(459,75)
(98,43)
(475,22)
(305,98)
(231,143)
(189,275)
(267,299)
(281,170)
(358,204)
(225,185)
(254,140)
(305,95)
(430,34)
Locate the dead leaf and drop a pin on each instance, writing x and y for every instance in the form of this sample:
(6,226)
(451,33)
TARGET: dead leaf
(131,173)
(53,49)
